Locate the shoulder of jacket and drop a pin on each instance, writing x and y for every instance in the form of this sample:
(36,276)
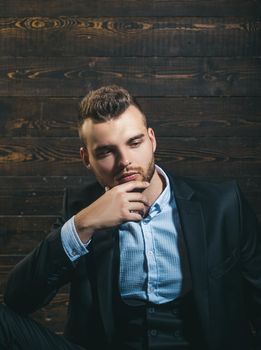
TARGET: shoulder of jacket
(77,198)
(205,189)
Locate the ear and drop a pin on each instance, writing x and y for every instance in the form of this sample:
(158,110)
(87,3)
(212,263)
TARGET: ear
(152,139)
(84,154)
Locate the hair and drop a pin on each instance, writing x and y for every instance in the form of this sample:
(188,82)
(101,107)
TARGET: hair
(106,103)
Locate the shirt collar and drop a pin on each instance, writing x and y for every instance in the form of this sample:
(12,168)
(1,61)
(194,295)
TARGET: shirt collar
(164,197)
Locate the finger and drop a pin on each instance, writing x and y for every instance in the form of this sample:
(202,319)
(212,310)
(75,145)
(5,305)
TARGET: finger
(132,185)
(134,216)
(137,206)
(137,197)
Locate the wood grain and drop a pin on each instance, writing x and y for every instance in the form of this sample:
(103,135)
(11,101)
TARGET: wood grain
(130,8)
(9,184)
(193,65)
(188,156)
(21,234)
(121,36)
(31,203)
(177,116)
(143,76)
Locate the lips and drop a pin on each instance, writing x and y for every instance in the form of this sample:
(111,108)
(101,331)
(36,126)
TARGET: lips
(131,176)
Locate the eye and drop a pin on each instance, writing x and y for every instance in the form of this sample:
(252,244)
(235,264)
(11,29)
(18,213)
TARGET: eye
(103,154)
(135,143)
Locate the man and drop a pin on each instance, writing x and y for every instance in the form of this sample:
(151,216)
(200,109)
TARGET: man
(154,261)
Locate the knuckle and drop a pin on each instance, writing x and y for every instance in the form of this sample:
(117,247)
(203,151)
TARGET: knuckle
(124,212)
(138,217)
(141,197)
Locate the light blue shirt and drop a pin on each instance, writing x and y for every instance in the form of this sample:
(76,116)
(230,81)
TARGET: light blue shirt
(153,263)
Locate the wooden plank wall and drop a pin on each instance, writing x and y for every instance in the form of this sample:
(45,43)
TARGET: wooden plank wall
(194,66)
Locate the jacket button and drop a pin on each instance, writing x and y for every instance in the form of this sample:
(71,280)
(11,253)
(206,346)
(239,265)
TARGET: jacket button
(175,312)
(153,332)
(177,334)
(151,310)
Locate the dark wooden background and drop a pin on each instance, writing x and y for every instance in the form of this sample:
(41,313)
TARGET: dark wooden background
(194,66)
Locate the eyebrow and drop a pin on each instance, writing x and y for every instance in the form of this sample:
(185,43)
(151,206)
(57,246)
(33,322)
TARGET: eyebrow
(109,146)
(135,138)
(102,148)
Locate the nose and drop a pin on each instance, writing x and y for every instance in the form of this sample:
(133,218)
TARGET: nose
(126,163)
(124,159)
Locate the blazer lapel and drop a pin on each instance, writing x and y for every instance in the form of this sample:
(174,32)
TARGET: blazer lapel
(103,253)
(192,225)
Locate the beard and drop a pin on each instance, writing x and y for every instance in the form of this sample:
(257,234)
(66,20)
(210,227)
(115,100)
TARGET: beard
(147,175)
(144,174)
(150,171)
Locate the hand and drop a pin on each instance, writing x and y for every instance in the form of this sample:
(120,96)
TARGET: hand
(119,204)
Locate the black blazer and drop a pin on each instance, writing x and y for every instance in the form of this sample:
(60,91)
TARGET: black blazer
(224,251)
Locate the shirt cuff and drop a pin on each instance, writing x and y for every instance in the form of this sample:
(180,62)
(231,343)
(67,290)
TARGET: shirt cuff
(71,242)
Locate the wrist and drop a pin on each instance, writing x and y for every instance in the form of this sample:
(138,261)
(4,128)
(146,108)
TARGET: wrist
(85,232)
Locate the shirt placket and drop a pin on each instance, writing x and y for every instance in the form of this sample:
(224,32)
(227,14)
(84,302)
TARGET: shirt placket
(150,259)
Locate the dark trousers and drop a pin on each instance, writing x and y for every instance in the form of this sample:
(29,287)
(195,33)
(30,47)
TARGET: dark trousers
(23,333)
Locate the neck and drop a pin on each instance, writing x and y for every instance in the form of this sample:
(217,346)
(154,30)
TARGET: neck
(157,185)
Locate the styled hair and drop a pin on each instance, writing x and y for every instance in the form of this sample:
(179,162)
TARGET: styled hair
(106,103)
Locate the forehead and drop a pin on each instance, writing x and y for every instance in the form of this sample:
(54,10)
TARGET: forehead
(117,130)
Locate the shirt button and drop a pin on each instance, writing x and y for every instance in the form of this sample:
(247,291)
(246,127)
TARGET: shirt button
(150,252)
(151,289)
(146,221)
(74,252)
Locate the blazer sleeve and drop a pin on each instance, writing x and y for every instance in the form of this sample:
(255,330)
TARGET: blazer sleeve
(251,263)
(35,280)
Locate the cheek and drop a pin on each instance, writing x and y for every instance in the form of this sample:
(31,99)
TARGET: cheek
(104,166)
(144,155)
(142,161)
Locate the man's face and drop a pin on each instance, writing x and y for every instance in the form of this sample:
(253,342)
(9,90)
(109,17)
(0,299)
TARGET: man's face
(119,150)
